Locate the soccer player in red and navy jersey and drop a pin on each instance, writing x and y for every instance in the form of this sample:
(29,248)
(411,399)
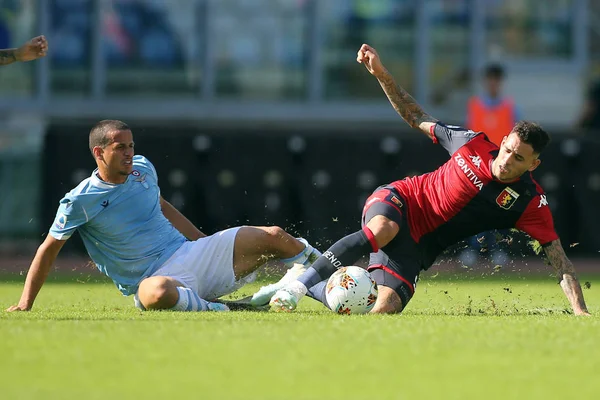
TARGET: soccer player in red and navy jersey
(406,224)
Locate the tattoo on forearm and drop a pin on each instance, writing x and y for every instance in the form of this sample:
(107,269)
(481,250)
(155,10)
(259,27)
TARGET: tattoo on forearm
(403,102)
(558,259)
(7,56)
(565,272)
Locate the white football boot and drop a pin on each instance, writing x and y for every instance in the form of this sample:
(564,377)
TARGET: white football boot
(287,299)
(265,293)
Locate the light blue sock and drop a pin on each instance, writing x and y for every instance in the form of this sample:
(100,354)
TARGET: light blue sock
(189,301)
(299,258)
(303,257)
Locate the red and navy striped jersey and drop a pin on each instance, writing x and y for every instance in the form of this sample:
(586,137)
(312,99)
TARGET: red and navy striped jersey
(462,198)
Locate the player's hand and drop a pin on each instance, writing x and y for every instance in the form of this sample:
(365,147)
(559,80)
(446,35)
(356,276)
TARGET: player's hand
(32,50)
(17,308)
(368,56)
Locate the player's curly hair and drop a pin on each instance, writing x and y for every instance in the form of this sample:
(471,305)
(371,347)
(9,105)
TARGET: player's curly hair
(532,134)
(99,133)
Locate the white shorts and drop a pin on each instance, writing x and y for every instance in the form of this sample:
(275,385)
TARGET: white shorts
(205,266)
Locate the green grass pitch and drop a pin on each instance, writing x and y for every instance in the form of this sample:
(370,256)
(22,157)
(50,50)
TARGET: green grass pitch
(460,338)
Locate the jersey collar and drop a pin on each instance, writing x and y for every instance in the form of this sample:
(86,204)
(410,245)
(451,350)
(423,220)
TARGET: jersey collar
(99,183)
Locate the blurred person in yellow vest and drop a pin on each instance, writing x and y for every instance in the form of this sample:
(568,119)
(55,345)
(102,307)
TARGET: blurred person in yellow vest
(492,112)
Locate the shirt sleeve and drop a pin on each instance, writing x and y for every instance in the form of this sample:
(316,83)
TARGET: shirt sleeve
(537,221)
(451,137)
(70,216)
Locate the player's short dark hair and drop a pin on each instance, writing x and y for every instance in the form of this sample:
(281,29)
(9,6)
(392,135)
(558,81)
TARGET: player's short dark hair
(532,134)
(494,71)
(99,133)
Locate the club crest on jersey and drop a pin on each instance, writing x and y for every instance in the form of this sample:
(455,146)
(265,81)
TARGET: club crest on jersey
(507,198)
(396,201)
(141,179)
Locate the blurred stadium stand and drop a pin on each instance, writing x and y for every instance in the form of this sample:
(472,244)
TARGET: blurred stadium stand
(255,111)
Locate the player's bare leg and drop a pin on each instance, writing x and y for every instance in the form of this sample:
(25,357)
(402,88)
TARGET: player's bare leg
(384,229)
(388,301)
(255,245)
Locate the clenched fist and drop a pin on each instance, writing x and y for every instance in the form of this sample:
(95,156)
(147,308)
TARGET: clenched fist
(33,49)
(368,56)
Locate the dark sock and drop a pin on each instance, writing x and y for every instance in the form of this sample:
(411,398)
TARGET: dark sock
(317,292)
(344,252)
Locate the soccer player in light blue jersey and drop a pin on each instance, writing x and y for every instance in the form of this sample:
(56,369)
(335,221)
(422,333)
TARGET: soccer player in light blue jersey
(147,247)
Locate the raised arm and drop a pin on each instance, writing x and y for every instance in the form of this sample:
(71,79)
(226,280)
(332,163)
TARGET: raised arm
(565,272)
(38,272)
(179,221)
(33,49)
(403,103)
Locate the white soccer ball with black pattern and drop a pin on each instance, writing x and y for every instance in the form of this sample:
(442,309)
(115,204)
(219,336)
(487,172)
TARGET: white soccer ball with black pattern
(351,290)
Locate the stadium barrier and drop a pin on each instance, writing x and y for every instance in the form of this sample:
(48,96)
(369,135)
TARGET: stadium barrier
(311,181)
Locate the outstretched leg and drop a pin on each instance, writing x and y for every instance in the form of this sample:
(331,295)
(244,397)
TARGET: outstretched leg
(255,245)
(377,233)
(382,218)
(252,247)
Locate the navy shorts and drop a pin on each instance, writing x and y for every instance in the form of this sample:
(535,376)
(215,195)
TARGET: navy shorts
(398,265)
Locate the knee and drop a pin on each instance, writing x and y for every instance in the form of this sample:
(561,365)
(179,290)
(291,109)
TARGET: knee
(157,293)
(388,302)
(274,232)
(273,236)
(384,229)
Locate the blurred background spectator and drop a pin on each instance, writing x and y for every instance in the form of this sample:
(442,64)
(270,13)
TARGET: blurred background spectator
(495,114)
(492,112)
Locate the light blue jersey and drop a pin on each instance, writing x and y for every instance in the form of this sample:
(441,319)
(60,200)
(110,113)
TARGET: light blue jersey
(122,225)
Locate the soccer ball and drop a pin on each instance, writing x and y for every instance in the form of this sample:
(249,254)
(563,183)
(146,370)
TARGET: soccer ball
(351,290)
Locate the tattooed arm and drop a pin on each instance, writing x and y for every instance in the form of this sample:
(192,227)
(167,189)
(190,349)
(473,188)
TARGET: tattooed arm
(403,103)
(33,49)
(566,276)
(7,56)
